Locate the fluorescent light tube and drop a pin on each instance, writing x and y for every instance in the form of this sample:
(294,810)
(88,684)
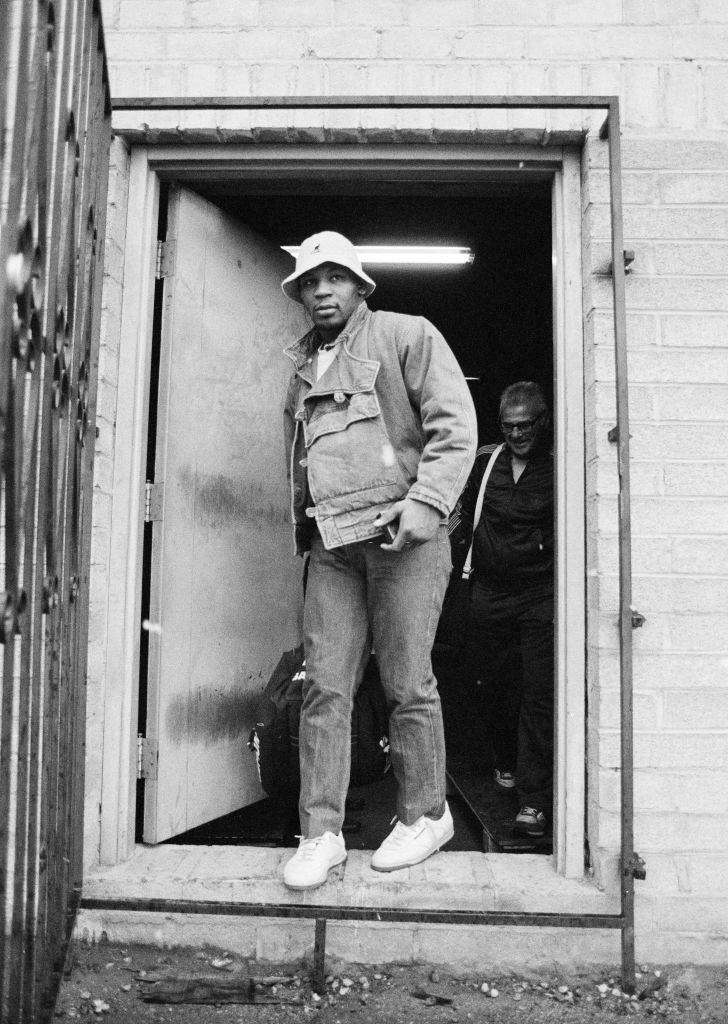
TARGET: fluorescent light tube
(412,254)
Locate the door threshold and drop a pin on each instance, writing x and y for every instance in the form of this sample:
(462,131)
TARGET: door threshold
(253,875)
(233,898)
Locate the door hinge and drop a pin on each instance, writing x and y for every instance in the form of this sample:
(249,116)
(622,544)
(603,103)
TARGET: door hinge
(153,501)
(146,758)
(166,252)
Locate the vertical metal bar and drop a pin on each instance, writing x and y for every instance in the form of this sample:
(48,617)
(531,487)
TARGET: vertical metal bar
(75,497)
(57,143)
(38,621)
(14,464)
(23,840)
(9,948)
(61,220)
(625,550)
(98,143)
(318,980)
(9,73)
(26,473)
(36,843)
(12,392)
(19,120)
(57,768)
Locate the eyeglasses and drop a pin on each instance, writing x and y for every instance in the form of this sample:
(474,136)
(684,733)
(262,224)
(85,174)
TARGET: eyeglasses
(524,427)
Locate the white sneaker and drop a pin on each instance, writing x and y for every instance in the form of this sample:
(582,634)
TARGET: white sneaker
(410,844)
(312,861)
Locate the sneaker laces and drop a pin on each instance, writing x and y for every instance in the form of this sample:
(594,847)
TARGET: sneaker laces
(402,833)
(532,812)
(307,847)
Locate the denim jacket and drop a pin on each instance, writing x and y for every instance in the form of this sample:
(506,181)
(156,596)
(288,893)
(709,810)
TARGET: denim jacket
(390,418)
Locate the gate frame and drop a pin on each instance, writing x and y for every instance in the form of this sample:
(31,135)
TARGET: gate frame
(55,126)
(631,865)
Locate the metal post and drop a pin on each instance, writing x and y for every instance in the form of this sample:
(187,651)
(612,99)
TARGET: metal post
(531,102)
(319,957)
(625,551)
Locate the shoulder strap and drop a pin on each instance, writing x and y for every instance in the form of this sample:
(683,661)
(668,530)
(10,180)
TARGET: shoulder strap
(467,568)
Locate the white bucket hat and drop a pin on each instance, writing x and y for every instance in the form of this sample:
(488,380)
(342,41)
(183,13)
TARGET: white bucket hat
(326,247)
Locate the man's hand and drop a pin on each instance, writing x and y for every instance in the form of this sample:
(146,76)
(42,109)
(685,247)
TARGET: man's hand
(418,522)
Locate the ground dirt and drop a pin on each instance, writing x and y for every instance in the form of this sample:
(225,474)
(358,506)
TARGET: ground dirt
(109,983)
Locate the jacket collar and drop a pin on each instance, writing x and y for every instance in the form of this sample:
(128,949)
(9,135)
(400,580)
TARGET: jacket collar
(301,351)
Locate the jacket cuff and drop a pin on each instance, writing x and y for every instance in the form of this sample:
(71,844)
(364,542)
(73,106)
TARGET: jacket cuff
(418,493)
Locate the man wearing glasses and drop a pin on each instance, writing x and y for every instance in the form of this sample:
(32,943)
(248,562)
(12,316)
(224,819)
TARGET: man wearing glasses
(511,634)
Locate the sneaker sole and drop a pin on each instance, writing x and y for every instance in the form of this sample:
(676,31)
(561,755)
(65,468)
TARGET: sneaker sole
(411,863)
(315,885)
(532,833)
(504,785)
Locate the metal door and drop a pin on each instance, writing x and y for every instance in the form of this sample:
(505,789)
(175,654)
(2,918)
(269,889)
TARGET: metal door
(226,587)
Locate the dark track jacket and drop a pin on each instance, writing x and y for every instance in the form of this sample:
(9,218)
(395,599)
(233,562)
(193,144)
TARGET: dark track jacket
(513,547)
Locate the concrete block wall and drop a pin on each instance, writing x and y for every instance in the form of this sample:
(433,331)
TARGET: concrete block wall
(675,221)
(668,62)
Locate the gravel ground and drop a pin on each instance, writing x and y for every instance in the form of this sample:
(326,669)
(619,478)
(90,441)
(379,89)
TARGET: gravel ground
(109,983)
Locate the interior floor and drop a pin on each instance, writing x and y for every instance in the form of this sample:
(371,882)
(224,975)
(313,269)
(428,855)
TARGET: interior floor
(496,314)
(482,812)
(369,810)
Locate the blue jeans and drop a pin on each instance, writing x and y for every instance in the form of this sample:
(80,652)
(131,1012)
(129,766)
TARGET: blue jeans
(356,594)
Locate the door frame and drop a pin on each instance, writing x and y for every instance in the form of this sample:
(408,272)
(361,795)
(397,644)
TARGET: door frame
(149,165)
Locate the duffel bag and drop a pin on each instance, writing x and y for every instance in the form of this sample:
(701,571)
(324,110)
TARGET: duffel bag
(274,739)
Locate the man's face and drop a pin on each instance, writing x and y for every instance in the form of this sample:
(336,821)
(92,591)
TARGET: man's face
(330,294)
(524,427)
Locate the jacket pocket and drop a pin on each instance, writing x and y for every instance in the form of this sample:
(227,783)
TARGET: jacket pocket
(329,416)
(350,454)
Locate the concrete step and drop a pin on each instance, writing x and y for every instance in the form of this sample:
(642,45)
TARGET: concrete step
(252,877)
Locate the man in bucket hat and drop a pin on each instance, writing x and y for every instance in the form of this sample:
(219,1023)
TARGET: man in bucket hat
(381,435)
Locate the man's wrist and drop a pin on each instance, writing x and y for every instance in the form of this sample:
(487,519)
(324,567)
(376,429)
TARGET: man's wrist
(431,508)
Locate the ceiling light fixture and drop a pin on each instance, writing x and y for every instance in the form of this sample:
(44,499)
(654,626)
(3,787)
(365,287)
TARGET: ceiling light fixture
(450,255)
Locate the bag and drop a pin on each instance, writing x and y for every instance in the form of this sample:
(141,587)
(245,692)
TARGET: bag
(452,628)
(454,619)
(274,740)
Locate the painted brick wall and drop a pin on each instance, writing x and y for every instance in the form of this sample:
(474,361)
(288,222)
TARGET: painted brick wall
(675,220)
(668,61)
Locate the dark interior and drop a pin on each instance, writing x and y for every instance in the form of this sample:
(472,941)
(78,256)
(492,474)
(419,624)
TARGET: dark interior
(496,315)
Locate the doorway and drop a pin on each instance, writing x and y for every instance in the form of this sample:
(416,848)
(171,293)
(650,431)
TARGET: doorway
(497,315)
(229,173)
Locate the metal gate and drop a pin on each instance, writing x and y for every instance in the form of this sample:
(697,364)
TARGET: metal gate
(53,166)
